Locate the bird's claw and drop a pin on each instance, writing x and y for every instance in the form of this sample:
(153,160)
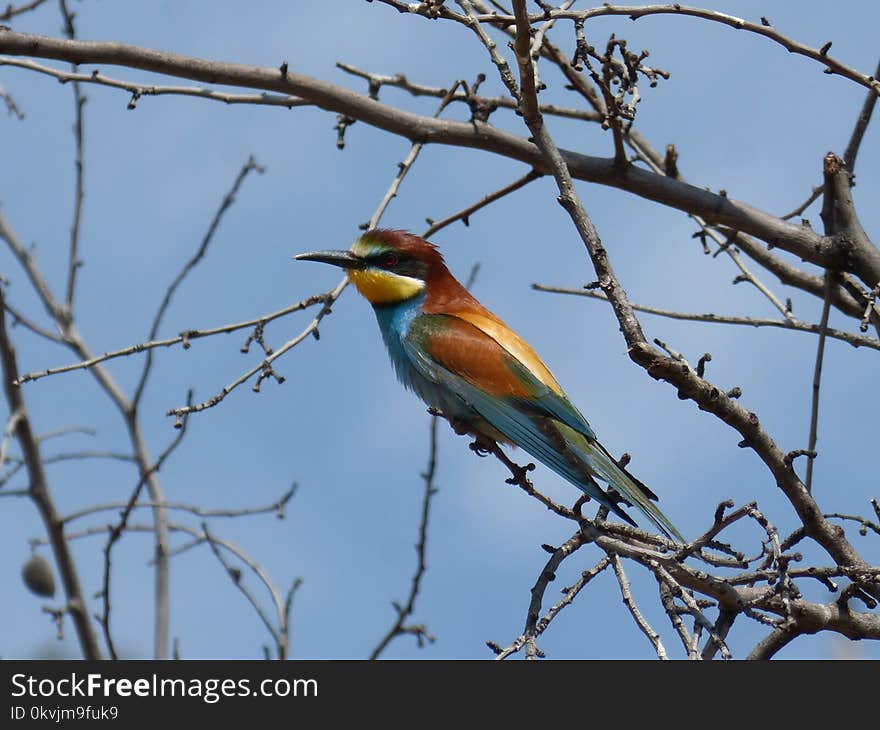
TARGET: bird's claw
(481,448)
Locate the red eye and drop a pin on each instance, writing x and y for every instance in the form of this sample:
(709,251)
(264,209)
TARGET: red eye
(389,259)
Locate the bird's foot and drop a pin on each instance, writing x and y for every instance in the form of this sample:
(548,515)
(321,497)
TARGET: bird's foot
(482,445)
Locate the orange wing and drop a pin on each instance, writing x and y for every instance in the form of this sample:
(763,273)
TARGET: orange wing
(466,350)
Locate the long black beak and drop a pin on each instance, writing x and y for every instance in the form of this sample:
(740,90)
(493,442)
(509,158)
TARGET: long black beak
(343,259)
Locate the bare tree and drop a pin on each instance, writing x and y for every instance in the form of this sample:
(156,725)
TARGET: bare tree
(705,587)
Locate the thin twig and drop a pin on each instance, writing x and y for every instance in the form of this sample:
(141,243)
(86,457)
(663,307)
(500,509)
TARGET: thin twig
(11,11)
(400,627)
(162,549)
(789,324)
(569,594)
(547,575)
(19,318)
(249,166)
(400,81)
(830,280)
(674,615)
(12,107)
(138,91)
(832,65)
(265,367)
(79,99)
(813,197)
(465,213)
(629,601)
(185,338)
(277,507)
(72,338)
(864,118)
(236,578)
(671,192)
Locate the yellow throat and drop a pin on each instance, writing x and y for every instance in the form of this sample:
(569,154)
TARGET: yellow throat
(383,287)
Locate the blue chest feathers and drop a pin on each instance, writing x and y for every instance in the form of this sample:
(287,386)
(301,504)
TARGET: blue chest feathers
(395,321)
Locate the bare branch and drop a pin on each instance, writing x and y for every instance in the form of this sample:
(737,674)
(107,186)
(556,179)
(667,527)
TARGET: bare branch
(185,338)
(162,547)
(547,575)
(772,643)
(465,213)
(138,91)
(817,378)
(12,107)
(487,104)
(79,100)
(855,141)
(629,601)
(715,209)
(666,598)
(832,65)
(400,627)
(236,578)
(277,507)
(42,497)
(19,318)
(569,594)
(813,197)
(11,11)
(265,367)
(789,324)
(228,200)
(675,371)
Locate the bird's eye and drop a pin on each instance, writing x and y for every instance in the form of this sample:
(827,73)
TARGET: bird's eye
(389,259)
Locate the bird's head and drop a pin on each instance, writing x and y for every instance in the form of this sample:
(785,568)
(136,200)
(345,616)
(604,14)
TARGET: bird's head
(386,266)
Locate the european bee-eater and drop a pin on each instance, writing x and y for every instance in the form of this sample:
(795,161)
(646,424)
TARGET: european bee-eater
(463,361)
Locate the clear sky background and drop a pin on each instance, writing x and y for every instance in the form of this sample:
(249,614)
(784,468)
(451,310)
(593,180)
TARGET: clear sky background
(745,116)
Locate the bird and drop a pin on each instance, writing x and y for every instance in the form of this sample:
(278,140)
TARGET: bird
(468,365)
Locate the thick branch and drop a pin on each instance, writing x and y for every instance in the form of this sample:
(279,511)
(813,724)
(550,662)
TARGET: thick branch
(715,209)
(676,371)
(852,247)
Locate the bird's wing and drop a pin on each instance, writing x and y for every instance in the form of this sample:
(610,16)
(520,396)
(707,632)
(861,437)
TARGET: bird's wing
(453,352)
(492,357)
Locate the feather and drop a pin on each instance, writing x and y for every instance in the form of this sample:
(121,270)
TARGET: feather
(461,358)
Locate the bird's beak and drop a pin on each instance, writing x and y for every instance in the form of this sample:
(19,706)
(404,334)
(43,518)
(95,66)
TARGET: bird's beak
(343,259)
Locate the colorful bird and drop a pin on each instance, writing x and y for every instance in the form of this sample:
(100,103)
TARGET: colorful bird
(463,361)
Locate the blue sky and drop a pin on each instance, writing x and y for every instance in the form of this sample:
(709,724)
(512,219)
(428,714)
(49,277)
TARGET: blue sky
(745,116)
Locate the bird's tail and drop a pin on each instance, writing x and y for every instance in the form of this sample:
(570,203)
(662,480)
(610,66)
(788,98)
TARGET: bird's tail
(599,462)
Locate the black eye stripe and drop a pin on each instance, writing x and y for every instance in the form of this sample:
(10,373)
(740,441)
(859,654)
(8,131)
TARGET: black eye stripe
(386,260)
(398,263)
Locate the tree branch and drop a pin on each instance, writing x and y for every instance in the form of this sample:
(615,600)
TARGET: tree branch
(79,100)
(42,497)
(400,627)
(11,11)
(864,118)
(715,209)
(787,324)
(194,260)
